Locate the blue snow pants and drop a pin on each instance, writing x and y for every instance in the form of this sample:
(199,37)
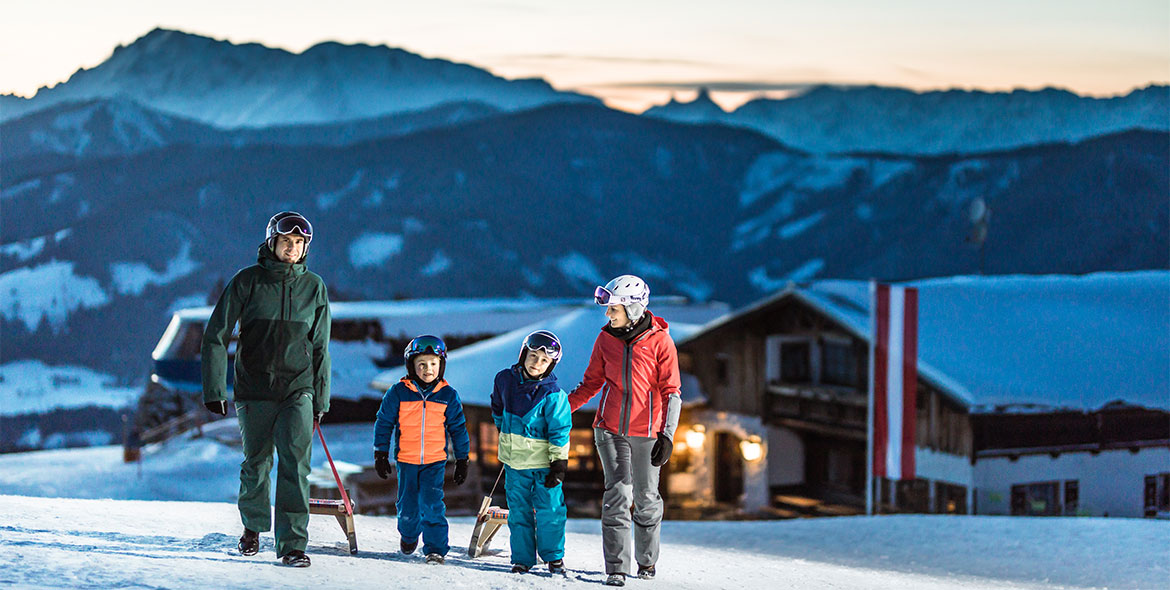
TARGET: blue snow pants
(420,505)
(536,516)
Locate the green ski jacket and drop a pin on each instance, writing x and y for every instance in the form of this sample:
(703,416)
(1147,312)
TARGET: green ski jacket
(283,350)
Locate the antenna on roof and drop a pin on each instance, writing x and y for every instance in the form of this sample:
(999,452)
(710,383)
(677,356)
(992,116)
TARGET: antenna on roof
(980,216)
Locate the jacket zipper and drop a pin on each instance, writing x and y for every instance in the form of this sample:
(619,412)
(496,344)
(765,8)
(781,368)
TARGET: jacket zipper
(422,440)
(627,395)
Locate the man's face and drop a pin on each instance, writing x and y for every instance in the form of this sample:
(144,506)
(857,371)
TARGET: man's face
(290,248)
(426,367)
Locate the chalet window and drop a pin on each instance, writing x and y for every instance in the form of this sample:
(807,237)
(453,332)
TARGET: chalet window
(581,455)
(839,363)
(913,495)
(723,368)
(489,444)
(1036,499)
(795,360)
(950,498)
(1157,494)
(1071,494)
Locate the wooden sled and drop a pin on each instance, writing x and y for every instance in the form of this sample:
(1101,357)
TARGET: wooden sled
(343,508)
(487,524)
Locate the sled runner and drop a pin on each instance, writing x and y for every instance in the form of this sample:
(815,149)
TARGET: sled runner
(487,523)
(343,508)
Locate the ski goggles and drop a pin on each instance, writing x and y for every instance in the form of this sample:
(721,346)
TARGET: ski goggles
(603,296)
(546,341)
(294,223)
(426,345)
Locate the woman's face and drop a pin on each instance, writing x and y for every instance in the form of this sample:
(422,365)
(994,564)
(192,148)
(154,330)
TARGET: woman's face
(617,316)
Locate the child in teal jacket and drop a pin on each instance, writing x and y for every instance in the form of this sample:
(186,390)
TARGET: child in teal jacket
(532,414)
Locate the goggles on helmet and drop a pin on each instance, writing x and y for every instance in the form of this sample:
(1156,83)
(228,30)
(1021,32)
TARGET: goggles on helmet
(294,223)
(604,297)
(426,345)
(546,341)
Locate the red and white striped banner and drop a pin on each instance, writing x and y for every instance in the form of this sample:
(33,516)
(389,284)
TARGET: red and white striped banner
(893,385)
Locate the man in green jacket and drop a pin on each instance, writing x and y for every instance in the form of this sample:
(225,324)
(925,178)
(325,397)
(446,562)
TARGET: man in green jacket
(281,380)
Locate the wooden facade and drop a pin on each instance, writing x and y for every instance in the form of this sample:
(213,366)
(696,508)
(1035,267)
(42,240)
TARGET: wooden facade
(804,377)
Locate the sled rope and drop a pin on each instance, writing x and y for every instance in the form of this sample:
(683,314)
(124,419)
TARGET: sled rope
(336,477)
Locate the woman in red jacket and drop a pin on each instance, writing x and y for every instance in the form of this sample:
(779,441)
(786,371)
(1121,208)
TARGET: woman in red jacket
(634,365)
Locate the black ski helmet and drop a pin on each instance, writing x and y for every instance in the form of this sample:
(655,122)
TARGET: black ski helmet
(285,223)
(425,344)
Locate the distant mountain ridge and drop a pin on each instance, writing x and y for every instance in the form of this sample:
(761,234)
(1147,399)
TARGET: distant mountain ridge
(546,202)
(250,85)
(829,119)
(115,127)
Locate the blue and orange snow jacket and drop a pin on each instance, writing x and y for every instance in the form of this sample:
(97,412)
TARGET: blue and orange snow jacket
(420,420)
(533,418)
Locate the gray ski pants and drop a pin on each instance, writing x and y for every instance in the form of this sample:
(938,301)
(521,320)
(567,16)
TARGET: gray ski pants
(629,479)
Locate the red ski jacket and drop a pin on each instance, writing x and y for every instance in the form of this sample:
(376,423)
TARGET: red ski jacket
(635,380)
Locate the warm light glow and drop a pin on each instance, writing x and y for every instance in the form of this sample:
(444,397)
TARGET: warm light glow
(695,436)
(752,449)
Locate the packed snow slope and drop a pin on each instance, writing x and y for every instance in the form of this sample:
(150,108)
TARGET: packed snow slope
(71,543)
(171,522)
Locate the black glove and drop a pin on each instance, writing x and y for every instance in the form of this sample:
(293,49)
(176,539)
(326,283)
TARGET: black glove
(460,474)
(317,418)
(660,454)
(556,473)
(382,464)
(219,407)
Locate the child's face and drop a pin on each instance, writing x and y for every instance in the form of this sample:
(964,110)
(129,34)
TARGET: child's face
(617,316)
(426,367)
(536,362)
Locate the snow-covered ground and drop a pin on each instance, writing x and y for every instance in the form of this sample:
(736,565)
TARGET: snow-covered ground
(80,519)
(73,543)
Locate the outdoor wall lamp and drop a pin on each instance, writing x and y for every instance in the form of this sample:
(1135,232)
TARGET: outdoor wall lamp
(751,448)
(695,436)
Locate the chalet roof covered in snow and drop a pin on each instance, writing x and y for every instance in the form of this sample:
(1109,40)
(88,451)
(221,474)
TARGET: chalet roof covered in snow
(1057,340)
(472,369)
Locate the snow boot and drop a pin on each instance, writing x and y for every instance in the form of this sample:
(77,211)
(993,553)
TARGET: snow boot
(408,548)
(519,568)
(249,542)
(646,572)
(296,558)
(434,559)
(616,580)
(556,566)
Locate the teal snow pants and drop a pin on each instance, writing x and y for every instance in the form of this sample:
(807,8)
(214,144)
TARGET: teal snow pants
(536,516)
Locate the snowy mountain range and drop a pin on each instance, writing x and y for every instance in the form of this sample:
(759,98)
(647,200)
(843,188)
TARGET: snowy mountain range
(547,202)
(829,119)
(106,127)
(250,85)
(142,185)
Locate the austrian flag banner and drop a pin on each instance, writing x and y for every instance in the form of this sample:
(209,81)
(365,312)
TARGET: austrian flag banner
(893,384)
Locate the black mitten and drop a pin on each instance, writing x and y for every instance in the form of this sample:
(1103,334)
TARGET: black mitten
(382,464)
(460,474)
(663,447)
(217,407)
(556,473)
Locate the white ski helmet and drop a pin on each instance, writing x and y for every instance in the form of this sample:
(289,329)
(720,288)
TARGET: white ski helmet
(628,291)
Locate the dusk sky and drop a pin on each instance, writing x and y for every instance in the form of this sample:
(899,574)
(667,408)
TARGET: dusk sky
(636,53)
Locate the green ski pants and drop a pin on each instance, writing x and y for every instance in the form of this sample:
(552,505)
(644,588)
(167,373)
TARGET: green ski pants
(286,426)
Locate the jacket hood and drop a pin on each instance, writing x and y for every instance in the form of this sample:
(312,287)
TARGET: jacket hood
(275,269)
